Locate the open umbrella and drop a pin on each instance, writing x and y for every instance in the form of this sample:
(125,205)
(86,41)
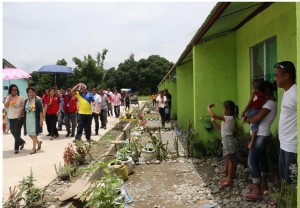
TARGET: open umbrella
(55,69)
(14,73)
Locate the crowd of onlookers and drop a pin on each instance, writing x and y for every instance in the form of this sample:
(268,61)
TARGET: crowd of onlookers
(73,107)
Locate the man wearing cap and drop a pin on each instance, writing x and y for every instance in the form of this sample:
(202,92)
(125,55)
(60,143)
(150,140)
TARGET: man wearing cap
(84,119)
(285,75)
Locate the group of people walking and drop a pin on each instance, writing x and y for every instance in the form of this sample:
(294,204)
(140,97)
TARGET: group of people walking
(75,107)
(260,112)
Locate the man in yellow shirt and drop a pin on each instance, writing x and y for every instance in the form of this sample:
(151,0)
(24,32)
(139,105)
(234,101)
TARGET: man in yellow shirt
(84,118)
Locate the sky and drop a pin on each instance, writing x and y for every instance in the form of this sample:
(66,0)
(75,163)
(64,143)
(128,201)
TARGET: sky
(40,33)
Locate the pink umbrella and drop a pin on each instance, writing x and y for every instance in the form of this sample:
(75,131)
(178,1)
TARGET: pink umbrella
(14,73)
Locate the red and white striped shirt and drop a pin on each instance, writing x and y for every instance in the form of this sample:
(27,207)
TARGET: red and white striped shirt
(116,99)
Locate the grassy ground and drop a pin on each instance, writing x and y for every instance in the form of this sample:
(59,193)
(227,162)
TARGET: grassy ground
(144,98)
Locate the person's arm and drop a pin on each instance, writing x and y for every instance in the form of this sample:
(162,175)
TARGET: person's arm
(213,121)
(75,87)
(21,112)
(7,101)
(59,106)
(259,116)
(248,104)
(212,114)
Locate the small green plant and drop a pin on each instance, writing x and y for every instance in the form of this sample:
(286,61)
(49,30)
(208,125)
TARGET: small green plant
(285,196)
(14,199)
(122,154)
(103,192)
(161,149)
(32,193)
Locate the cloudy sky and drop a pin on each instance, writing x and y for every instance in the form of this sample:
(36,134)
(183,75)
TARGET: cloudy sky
(37,34)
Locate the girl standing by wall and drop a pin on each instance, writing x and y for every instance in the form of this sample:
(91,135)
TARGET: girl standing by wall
(228,127)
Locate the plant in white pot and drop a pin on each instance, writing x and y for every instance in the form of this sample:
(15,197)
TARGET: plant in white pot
(124,156)
(148,152)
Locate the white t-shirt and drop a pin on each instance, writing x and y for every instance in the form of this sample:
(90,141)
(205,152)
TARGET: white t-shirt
(227,126)
(97,101)
(264,128)
(161,101)
(288,121)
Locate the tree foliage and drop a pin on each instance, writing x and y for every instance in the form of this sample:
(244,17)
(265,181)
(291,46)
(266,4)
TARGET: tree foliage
(141,76)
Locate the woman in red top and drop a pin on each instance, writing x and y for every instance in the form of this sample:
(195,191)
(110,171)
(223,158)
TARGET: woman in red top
(52,109)
(70,108)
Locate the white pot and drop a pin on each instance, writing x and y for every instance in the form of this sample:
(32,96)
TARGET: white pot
(148,155)
(129,164)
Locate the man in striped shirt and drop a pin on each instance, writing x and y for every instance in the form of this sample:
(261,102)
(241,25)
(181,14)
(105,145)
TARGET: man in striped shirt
(117,102)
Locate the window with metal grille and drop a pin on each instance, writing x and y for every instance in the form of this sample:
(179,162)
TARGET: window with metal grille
(263,57)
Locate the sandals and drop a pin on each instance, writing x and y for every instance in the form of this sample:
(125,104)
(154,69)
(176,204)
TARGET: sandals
(39,145)
(251,187)
(33,152)
(252,197)
(224,184)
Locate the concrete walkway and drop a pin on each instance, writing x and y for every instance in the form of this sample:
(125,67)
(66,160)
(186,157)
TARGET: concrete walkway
(17,166)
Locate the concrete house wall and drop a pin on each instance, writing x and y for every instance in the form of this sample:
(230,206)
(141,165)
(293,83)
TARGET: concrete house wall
(214,80)
(185,91)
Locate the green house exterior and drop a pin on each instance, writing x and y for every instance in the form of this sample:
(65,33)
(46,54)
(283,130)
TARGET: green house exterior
(217,64)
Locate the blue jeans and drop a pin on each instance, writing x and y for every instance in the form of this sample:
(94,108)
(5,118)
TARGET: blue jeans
(117,110)
(288,166)
(84,122)
(103,117)
(250,113)
(15,128)
(61,120)
(257,159)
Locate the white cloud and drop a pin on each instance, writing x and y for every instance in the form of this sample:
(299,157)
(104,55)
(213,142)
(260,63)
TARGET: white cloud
(36,34)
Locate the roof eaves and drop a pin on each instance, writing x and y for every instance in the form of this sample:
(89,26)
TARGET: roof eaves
(212,17)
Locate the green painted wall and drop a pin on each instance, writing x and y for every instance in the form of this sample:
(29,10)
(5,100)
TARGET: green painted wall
(172,88)
(185,102)
(214,80)
(277,20)
(298,91)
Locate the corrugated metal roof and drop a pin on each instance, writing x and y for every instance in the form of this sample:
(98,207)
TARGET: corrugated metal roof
(225,17)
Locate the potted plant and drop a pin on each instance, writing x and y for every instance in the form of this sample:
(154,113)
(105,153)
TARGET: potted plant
(33,194)
(208,126)
(63,172)
(103,192)
(128,114)
(117,167)
(148,152)
(69,155)
(82,150)
(125,157)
